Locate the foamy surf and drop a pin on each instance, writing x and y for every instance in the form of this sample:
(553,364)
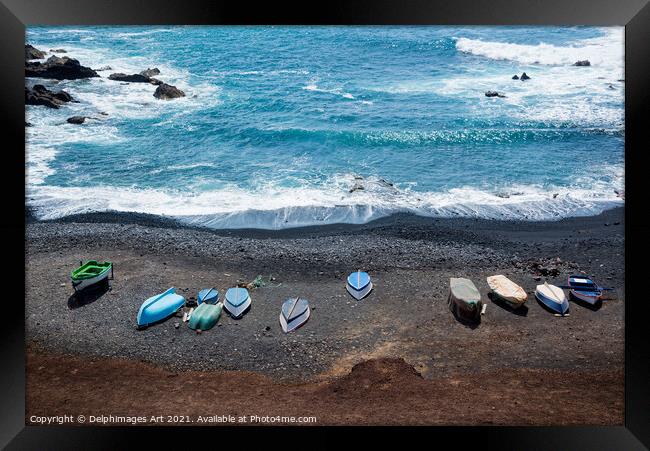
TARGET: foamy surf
(276,208)
(607,50)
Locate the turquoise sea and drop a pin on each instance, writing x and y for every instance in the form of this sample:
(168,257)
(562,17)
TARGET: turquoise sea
(292,126)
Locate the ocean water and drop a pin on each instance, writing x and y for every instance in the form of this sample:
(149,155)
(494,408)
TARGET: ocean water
(279,124)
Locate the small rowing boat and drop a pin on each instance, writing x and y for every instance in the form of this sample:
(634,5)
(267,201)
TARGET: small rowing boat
(552,297)
(507,291)
(359,285)
(159,307)
(205,316)
(237,301)
(90,273)
(295,312)
(464,298)
(208,296)
(584,289)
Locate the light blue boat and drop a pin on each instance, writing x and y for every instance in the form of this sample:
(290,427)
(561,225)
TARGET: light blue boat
(208,296)
(359,284)
(159,307)
(237,301)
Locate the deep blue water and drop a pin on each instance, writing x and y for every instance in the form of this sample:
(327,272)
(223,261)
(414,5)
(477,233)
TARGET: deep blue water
(280,123)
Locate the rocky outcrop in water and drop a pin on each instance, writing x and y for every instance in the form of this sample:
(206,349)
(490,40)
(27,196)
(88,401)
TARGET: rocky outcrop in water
(32,53)
(494,94)
(146,76)
(76,120)
(40,95)
(150,72)
(59,69)
(166,92)
(515,77)
(524,76)
(582,63)
(58,51)
(133,78)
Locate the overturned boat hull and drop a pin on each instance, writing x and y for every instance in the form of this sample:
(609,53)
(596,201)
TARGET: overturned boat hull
(237,302)
(208,296)
(552,297)
(507,291)
(359,285)
(464,299)
(205,316)
(159,307)
(294,313)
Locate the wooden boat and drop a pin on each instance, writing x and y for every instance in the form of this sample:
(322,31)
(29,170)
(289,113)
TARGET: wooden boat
(90,273)
(359,284)
(584,289)
(208,296)
(552,297)
(295,312)
(507,291)
(237,301)
(159,307)
(205,316)
(464,298)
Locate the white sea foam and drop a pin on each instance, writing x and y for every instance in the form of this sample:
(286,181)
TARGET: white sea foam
(273,207)
(335,91)
(606,50)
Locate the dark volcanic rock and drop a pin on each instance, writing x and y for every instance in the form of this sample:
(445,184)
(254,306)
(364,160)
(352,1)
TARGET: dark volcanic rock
(40,95)
(165,91)
(150,72)
(59,69)
(143,77)
(32,53)
(582,63)
(515,77)
(76,120)
(58,51)
(133,78)
(103,68)
(525,76)
(494,94)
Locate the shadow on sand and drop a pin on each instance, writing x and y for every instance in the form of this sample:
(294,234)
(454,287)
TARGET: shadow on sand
(87,296)
(593,307)
(521,311)
(472,323)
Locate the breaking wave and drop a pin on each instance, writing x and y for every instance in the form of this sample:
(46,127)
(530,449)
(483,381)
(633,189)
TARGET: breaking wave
(278,208)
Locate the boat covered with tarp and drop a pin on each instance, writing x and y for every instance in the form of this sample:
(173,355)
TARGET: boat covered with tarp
(464,298)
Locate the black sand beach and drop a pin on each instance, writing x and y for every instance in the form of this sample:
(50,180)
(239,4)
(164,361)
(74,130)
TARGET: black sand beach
(516,355)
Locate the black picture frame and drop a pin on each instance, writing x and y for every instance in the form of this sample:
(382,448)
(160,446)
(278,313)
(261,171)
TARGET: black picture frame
(633,14)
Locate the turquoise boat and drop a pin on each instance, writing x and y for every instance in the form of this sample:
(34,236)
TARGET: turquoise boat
(159,307)
(205,316)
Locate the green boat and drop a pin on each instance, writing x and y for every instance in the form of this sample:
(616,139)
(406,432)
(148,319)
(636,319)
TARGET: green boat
(205,316)
(90,273)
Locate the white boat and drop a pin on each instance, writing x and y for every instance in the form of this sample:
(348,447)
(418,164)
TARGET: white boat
(359,285)
(552,297)
(506,290)
(295,312)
